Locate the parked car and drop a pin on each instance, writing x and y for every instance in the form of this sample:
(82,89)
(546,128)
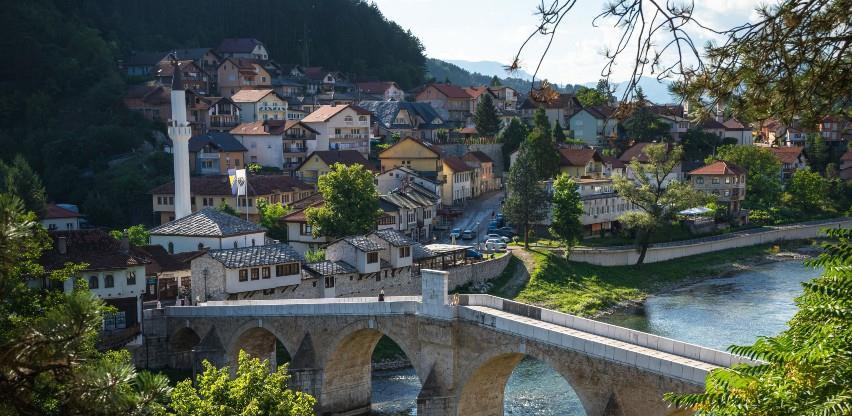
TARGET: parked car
(506,232)
(494,244)
(473,253)
(468,234)
(494,223)
(500,221)
(502,238)
(455,233)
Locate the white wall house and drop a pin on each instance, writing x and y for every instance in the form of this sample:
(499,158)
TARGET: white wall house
(263,104)
(220,274)
(58,218)
(340,127)
(358,251)
(264,141)
(207,228)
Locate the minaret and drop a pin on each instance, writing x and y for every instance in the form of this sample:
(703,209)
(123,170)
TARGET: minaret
(180,132)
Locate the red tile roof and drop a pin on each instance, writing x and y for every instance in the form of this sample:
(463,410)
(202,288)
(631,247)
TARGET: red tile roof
(475,92)
(719,167)
(732,124)
(96,248)
(479,156)
(636,151)
(455,164)
(55,211)
(787,154)
(468,130)
(847,157)
(578,157)
(250,95)
(451,91)
(566,101)
(324,113)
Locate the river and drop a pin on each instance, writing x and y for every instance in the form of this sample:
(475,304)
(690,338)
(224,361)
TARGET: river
(713,313)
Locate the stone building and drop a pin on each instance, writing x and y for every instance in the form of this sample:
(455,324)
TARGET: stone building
(238,273)
(208,228)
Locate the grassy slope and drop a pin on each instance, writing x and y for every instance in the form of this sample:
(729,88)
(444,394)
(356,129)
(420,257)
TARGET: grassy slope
(586,289)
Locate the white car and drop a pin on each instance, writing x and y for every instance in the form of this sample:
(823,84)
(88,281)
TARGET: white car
(498,237)
(495,244)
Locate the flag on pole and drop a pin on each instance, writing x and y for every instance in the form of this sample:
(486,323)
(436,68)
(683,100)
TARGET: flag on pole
(232,179)
(241,181)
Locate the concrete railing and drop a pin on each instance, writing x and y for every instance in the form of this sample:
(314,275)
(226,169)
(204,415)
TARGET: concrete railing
(392,305)
(642,339)
(627,255)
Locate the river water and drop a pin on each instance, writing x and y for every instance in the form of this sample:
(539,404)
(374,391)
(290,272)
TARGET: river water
(715,313)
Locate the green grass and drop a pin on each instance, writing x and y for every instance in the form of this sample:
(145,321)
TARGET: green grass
(586,289)
(498,284)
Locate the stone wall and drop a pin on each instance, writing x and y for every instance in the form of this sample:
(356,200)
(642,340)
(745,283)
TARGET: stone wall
(622,256)
(477,272)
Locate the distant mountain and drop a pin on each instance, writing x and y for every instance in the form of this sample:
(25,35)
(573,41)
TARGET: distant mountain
(656,91)
(440,71)
(489,68)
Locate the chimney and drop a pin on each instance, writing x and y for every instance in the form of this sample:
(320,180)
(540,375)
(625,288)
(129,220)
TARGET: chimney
(124,242)
(62,245)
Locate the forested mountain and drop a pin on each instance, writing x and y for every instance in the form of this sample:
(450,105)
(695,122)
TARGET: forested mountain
(347,35)
(61,91)
(441,71)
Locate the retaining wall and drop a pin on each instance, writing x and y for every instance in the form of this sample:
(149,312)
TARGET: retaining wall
(627,255)
(477,272)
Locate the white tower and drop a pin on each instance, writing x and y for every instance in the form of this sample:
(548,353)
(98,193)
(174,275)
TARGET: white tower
(180,132)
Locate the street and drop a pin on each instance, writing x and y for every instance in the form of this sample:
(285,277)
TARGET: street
(475,217)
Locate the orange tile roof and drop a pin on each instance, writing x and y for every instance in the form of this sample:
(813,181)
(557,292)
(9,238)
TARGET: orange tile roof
(55,211)
(250,96)
(787,154)
(451,91)
(719,167)
(324,113)
(578,157)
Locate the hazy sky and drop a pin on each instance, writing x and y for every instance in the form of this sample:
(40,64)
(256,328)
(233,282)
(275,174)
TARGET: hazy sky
(492,30)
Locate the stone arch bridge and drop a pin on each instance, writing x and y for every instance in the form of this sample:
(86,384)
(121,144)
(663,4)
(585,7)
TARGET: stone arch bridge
(463,349)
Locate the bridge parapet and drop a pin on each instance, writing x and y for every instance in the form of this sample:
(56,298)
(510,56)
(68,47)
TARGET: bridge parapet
(392,305)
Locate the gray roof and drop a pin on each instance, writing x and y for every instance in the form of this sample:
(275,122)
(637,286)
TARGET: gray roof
(362,243)
(208,222)
(421,252)
(219,140)
(329,268)
(394,238)
(385,112)
(256,256)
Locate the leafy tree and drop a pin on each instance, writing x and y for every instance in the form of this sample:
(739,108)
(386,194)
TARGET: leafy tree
(808,191)
(645,126)
(512,137)
(19,179)
(698,144)
(542,123)
(270,218)
(817,152)
(495,81)
(525,204)
(604,89)
(763,173)
(227,209)
(544,159)
(351,203)
(567,210)
(49,364)
(655,193)
(590,97)
(314,256)
(136,234)
(558,133)
(485,117)
(253,391)
(806,369)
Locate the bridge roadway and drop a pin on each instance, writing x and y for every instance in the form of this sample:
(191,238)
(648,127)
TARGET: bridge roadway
(463,349)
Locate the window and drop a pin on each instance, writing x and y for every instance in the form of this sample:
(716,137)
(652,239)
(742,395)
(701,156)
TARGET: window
(279,270)
(131,278)
(347,119)
(243,275)
(715,180)
(109,281)
(727,193)
(159,200)
(727,179)
(329,281)
(372,257)
(387,220)
(362,118)
(235,244)
(171,200)
(51,226)
(113,321)
(93,282)
(264,273)
(255,274)
(699,180)
(306,229)
(200,246)
(404,252)
(171,248)
(287,269)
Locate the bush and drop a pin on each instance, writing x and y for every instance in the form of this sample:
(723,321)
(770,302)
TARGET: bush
(763,216)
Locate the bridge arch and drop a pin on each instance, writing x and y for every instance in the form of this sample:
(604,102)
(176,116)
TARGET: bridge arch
(265,342)
(347,367)
(181,343)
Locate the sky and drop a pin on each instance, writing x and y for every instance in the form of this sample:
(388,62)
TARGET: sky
(493,30)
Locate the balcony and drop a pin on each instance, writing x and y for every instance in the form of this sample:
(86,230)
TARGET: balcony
(351,136)
(223,121)
(295,149)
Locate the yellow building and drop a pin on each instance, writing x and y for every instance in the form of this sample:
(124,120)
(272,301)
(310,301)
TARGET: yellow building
(319,163)
(581,163)
(458,178)
(412,153)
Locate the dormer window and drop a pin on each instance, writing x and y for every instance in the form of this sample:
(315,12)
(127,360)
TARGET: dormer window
(373,257)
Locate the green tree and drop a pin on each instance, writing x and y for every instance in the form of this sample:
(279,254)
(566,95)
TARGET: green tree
(253,391)
(512,137)
(495,82)
(542,123)
(525,204)
(645,126)
(314,256)
(816,151)
(351,203)
(558,133)
(19,179)
(485,117)
(656,193)
(567,210)
(698,145)
(270,218)
(808,192)
(763,173)
(544,159)
(136,234)
(805,370)
(49,364)
(227,209)
(603,88)
(590,97)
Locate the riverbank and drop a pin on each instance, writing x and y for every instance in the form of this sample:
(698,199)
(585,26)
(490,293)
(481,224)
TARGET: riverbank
(591,290)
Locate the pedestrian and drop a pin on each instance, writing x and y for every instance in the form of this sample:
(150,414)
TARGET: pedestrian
(381,295)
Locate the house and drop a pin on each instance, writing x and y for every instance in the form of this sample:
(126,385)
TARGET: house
(738,130)
(404,118)
(418,155)
(234,74)
(264,140)
(835,129)
(794,136)
(410,209)
(247,48)
(559,110)
(714,127)
(319,79)
(194,77)
(237,273)
(614,167)
(222,114)
(215,190)
(396,248)
(678,125)
(207,228)
(295,138)
(61,217)
(454,104)
(114,271)
(261,104)
(772,132)
(846,165)
(340,127)
(168,276)
(287,87)
(387,90)
(580,163)
(507,98)
(319,163)
(140,64)
(359,251)
(458,178)
(206,58)
(299,232)
(723,179)
(484,178)
(396,177)
(602,206)
(791,158)
(214,153)
(476,94)
(637,151)
(593,125)
(153,102)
